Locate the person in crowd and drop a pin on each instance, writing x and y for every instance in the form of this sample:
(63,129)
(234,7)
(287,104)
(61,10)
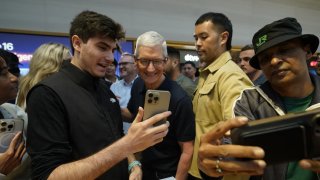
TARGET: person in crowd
(110,76)
(255,75)
(12,159)
(172,157)
(281,52)
(190,70)
(318,65)
(75,125)
(172,70)
(12,61)
(221,80)
(46,60)
(122,88)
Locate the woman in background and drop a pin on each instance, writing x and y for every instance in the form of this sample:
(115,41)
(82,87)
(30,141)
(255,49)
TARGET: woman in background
(46,60)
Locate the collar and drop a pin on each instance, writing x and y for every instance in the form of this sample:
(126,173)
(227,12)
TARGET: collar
(218,63)
(82,78)
(130,83)
(163,86)
(276,98)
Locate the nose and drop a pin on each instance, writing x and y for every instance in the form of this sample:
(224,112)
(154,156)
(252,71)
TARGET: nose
(275,60)
(109,56)
(150,67)
(241,62)
(198,42)
(13,78)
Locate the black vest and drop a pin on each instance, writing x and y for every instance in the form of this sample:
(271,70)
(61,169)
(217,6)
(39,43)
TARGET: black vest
(93,118)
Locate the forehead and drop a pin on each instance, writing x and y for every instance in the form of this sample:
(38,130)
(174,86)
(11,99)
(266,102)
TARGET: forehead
(205,27)
(150,52)
(188,66)
(287,44)
(103,40)
(126,58)
(247,53)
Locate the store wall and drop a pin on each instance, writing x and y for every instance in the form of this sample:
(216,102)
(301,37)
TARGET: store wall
(172,18)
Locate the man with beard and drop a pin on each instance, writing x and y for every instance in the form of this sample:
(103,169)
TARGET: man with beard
(173,71)
(122,88)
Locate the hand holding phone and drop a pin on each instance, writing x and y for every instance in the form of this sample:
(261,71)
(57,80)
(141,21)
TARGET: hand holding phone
(285,138)
(156,101)
(8,129)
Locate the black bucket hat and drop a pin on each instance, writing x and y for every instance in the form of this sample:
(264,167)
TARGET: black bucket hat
(278,32)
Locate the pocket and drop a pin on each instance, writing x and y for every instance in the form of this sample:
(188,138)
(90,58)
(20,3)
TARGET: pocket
(206,88)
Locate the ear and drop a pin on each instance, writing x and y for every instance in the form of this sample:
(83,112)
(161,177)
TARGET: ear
(308,51)
(224,36)
(175,63)
(76,42)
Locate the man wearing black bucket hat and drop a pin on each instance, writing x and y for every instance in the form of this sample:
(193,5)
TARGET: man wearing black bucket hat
(281,51)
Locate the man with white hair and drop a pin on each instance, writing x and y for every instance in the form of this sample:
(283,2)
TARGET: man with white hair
(172,157)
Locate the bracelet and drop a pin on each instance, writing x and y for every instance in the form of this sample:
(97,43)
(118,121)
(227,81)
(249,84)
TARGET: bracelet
(132,164)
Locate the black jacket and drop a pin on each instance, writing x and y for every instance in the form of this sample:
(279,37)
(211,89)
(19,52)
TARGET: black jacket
(262,102)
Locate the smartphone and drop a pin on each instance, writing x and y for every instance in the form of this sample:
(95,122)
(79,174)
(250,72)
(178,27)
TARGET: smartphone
(155,102)
(8,129)
(291,137)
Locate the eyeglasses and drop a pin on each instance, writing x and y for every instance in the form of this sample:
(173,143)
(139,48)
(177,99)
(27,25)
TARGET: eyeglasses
(155,62)
(125,63)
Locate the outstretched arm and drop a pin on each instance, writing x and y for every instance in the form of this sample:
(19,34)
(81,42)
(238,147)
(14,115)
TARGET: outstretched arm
(140,136)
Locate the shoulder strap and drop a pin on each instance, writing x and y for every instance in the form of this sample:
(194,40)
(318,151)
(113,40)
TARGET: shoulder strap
(275,107)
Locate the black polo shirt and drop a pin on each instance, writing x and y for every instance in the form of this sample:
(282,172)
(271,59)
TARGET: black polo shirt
(164,157)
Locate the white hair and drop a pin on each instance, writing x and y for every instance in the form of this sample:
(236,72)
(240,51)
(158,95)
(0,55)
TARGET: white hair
(151,39)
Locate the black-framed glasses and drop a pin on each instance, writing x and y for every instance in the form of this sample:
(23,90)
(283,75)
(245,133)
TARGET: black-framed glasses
(125,63)
(155,62)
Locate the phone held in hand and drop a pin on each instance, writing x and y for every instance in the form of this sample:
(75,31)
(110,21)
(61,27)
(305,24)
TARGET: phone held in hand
(291,137)
(8,129)
(156,101)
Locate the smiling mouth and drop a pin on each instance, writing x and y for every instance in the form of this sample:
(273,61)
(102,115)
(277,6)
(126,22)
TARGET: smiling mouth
(279,72)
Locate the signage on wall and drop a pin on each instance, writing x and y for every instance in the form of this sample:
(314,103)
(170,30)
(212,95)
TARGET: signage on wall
(189,55)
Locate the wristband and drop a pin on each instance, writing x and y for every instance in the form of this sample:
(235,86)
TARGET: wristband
(132,164)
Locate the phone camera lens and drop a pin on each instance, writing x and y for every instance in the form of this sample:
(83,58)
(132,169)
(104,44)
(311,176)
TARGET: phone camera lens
(10,126)
(156,98)
(150,95)
(3,123)
(149,101)
(3,129)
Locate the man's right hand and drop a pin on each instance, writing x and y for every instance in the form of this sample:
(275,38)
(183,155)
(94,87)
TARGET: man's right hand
(12,157)
(142,134)
(216,159)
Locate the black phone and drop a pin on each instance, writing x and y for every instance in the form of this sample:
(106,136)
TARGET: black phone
(286,138)
(156,101)
(8,129)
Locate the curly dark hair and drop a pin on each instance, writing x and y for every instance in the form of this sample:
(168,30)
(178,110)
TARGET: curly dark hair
(90,24)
